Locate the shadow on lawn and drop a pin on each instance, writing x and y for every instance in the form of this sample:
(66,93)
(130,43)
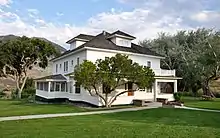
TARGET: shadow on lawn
(180,117)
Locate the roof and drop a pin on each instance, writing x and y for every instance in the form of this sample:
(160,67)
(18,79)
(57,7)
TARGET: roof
(102,41)
(123,34)
(53,77)
(81,36)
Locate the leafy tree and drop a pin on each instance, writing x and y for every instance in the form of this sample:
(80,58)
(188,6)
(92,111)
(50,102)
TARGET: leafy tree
(194,55)
(105,76)
(20,55)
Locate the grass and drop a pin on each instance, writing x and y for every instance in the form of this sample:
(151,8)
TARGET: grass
(15,108)
(196,102)
(160,123)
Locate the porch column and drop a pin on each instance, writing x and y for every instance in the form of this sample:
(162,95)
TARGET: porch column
(49,83)
(175,86)
(155,90)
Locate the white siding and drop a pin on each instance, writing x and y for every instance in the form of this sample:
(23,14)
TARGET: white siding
(76,44)
(81,55)
(93,55)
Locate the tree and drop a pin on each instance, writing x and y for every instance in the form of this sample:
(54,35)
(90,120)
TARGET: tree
(105,76)
(20,55)
(194,54)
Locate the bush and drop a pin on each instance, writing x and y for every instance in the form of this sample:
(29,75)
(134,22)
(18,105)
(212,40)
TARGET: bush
(14,94)
(2,94)
(188,94)
(28,93)
(177,96)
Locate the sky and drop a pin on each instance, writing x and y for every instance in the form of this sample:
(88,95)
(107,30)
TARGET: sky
(60,20)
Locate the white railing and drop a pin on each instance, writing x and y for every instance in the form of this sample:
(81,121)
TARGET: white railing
(163,72)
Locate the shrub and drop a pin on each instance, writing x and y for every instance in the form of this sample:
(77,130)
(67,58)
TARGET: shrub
(177,96)
(199,93)
(2,94)
(188,94)
(14,94)
(28,93)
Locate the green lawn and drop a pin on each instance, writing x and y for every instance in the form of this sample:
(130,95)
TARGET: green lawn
(160,123)
(196,102)
(12,108)
(15,108)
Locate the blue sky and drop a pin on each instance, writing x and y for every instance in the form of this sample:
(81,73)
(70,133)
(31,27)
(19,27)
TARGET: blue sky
(59,20)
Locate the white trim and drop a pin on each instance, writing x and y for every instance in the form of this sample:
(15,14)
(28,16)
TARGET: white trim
(106,50)
(123,52)
(79,39)
(66,55)
(121,36)
(167,77)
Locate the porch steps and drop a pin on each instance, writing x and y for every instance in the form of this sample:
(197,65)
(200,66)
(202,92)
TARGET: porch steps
(144,102)
(154,104)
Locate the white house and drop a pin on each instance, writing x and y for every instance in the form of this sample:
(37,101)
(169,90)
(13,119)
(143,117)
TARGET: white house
(87,47)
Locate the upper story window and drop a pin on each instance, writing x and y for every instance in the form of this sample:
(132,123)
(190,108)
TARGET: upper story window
(71,62)
(124,42)
(56,68)
(149,64)
(78,61)
(65,66)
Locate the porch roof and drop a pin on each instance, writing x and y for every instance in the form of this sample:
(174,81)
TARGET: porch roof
(52,77)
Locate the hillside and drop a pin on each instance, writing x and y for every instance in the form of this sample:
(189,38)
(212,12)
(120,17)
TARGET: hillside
(36,71)
(10,37)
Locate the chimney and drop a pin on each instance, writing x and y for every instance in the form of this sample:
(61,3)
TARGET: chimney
(104,33)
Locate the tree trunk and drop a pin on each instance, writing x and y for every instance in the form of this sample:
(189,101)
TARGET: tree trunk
(106,100)
(206,89)
(19,93)
(20,89)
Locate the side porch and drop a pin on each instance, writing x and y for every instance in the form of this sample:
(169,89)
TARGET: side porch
(165,87)
(51,87)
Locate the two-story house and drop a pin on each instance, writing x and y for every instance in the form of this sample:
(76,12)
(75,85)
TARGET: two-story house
(87,47)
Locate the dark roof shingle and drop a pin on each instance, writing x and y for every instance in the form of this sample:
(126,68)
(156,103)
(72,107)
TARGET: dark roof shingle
(101,41)
(81,36)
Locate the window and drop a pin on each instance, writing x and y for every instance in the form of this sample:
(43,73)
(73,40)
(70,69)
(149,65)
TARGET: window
(67,87)
(72,63)
(77,88)
(38,85)
(60,66)
(57,86)
(124,42)
(149,64)
(142,89)
(41,86)
(149,90)
(56,68)
(129,87)
(65,66)
(71,87)
(63,85)
(52,86)
(78,61)
(45,86)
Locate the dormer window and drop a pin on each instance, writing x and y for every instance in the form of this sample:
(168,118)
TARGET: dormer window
(79,40)
(121,38)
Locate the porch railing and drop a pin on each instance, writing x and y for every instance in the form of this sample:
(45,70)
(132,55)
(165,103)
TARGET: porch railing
(163,72)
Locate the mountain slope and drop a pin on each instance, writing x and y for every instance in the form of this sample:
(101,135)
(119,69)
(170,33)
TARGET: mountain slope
(57,47)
